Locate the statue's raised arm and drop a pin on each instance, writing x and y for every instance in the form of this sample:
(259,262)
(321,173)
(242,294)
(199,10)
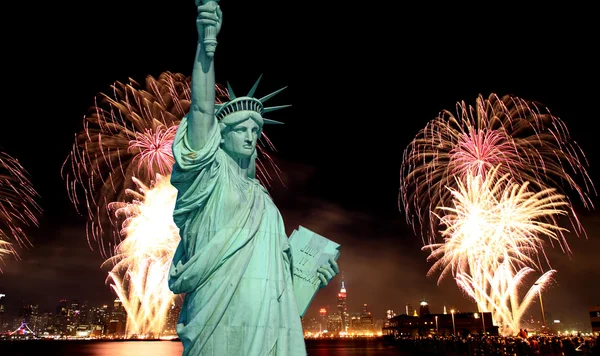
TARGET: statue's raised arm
(201,115)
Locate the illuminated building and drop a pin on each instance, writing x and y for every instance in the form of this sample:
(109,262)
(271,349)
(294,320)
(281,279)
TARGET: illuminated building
(342,307)
(44,323)
(322,320)
(118,319)
(98,319)
(172,317)
(104,314)
(60,317)
(34,319)
(61,308)
(363,323)
(334,323)
(429,324)
(73,317)
(409,309)
(423,308)
(73,308)
(311,325)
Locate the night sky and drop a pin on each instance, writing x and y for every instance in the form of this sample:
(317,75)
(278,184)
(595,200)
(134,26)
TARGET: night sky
(362,80)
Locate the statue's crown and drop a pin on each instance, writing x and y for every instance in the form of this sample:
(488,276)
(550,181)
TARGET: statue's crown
(248,102)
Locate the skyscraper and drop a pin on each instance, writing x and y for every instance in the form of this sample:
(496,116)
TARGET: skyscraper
(342,308)
(322,319)
(60,316)
(118,318)
(172,318)
(61,308)
(26,311)
(73,315)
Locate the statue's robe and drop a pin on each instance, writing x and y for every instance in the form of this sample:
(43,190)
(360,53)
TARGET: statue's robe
(232,262)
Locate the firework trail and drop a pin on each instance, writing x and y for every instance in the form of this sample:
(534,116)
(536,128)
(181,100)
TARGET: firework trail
(18,206)
(524,139)
(493,236)
(504,296)
(141,261)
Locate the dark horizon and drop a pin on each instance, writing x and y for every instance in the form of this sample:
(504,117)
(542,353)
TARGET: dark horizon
(360,86)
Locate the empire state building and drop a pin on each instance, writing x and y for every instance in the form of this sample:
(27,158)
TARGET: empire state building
(342,309)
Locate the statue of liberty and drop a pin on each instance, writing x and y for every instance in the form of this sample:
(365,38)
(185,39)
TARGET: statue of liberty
(233,262)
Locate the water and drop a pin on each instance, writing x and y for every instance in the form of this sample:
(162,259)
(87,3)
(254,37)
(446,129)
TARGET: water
(174,348)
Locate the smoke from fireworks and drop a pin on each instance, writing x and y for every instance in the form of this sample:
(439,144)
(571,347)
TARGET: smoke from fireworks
(528,142)
(18,206)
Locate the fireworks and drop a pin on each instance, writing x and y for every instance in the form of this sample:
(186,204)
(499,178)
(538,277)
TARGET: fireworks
(5,247)
(527,142)
(503,296)
(494,220)
(125,135)
(496,177)
(494,233)
(141,261)
(18,206)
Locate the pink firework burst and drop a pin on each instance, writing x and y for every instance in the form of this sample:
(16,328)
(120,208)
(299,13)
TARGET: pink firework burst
(479,151)
(521,137)
(154,148)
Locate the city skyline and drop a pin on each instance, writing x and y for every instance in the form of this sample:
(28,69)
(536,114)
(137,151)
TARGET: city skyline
(409,308)
(532,316)
(77,312)
(340,148)
(75,319)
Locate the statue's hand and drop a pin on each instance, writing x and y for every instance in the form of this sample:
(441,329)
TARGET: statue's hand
(209,14)
(327,272)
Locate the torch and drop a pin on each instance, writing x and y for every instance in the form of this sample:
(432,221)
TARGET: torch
(210,32)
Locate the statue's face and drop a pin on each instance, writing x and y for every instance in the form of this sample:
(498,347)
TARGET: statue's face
(240,140)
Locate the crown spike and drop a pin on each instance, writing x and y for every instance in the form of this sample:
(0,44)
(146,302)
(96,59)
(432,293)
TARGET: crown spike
(251,92)
(273,108)
(231,94)
(269,121)
(267,97)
